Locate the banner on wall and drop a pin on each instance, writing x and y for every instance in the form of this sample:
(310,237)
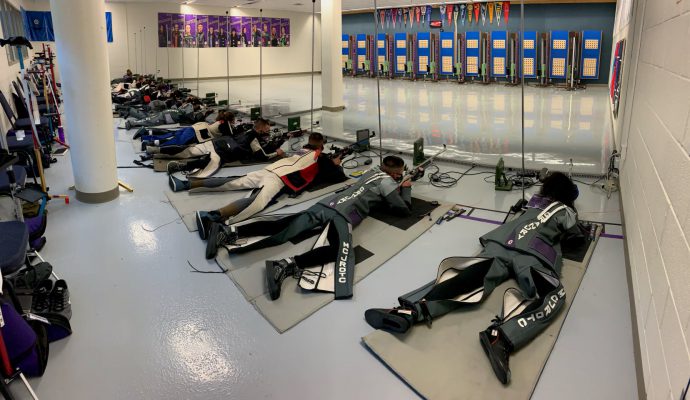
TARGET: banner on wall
(201,35)
(246,32)
(38,26)
(186,30)
(189,36)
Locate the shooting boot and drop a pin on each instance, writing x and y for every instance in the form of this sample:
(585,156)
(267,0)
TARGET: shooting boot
(41,297)
(204,220)
(276,272)
(178,185)
(219,235)
(497,349)
(59,299)
(398,320)
(140,132)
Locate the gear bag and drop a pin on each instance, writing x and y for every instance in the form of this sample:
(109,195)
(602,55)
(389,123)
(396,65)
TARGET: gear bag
(26,341)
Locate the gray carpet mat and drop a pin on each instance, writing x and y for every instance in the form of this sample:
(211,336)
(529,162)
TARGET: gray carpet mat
(136,146)
(186,204)
(448,362)
(295,304)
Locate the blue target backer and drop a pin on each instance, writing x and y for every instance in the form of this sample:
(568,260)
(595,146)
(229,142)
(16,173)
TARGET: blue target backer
(529,64)
(345,53)
(423,51)
(499,42)
(559,54)
(472,54)
(381,51)
(447,53)
(591,54)
(361,51)
(400,45)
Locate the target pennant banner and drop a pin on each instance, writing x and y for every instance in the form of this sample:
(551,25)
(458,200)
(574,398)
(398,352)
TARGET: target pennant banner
(498,13)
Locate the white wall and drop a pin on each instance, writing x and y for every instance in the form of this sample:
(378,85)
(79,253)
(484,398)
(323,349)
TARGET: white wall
(655,185)
(621,30)
(131,18)
(7,75)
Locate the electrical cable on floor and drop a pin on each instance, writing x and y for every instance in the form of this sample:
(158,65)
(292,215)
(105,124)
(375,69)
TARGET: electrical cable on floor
(354,162)
(516,180)
(222,270)
(445,179)
(296,143)
(178,219)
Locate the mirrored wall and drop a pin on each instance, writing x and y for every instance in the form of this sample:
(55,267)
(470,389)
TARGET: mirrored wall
(476,76)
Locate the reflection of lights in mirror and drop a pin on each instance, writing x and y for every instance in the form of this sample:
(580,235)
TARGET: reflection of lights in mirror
(586,105)
(423,98)
(447,99)
(401,95)
(529,103)
(557,104)
(499,102)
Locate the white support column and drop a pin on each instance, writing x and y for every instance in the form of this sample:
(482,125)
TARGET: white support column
(331,43)
(82,55)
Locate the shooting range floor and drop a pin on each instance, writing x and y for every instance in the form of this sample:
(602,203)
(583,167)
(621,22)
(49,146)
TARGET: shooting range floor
(479,123)
(145,327)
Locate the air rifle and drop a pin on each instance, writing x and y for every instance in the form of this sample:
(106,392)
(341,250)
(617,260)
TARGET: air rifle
(418,171)
(342,152)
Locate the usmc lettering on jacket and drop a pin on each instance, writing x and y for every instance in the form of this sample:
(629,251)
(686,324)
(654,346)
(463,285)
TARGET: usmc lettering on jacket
(352,196)
(550,307)
(342,263)
(527,228)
